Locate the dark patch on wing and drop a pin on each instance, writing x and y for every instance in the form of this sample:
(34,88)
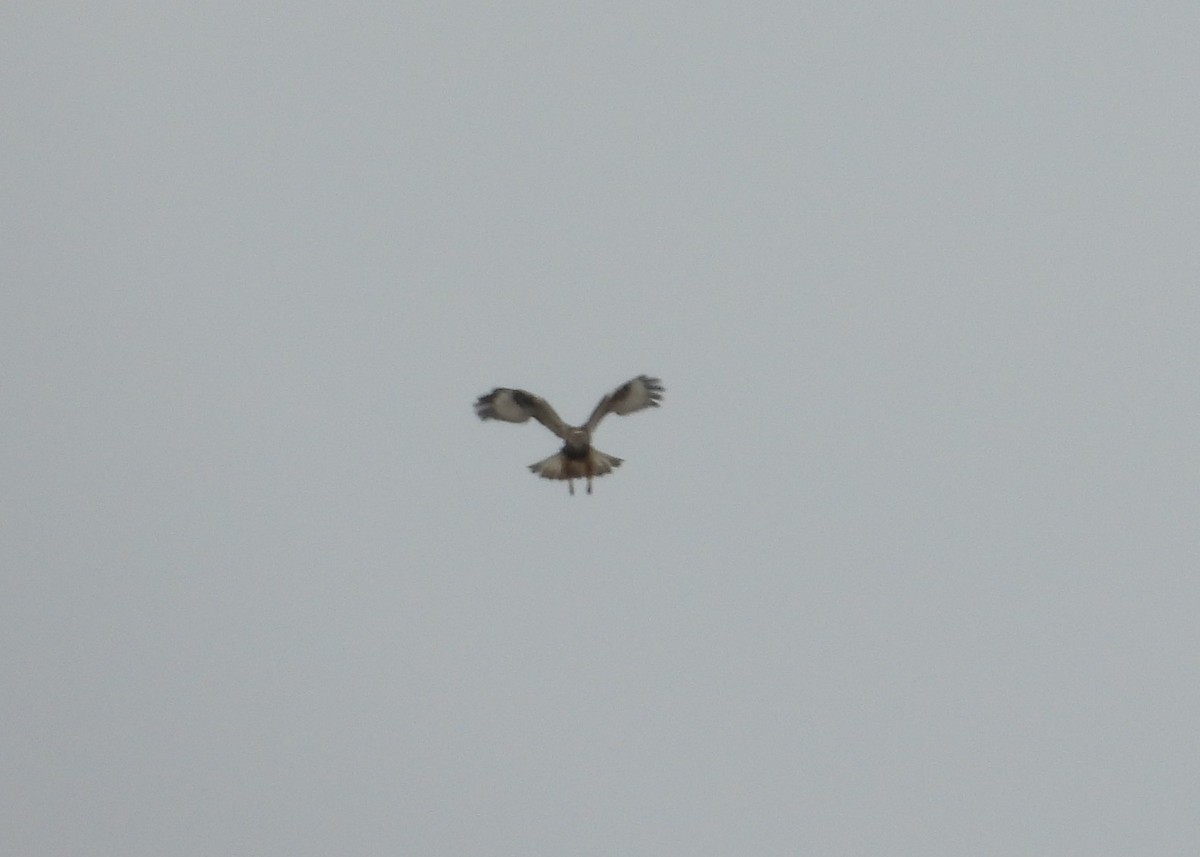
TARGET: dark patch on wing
(623,391)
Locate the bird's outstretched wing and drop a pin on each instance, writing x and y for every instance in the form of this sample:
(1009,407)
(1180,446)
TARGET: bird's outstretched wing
(642,392)
(517,406)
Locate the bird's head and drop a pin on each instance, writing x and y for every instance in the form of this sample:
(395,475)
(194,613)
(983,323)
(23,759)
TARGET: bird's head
(578,439)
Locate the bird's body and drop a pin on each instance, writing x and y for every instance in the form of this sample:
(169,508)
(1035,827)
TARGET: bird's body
(577,459)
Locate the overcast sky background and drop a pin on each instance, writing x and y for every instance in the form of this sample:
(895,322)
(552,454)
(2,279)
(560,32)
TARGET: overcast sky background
(906,564)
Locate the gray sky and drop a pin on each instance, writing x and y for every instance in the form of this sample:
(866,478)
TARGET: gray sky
(906,564)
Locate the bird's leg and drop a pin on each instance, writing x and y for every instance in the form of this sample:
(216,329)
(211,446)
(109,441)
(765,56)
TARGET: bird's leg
(589,484)
(571,486)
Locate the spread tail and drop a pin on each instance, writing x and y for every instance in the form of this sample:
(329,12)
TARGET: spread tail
(559,466)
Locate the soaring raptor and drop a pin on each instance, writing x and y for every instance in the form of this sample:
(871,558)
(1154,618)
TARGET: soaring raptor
(578,459)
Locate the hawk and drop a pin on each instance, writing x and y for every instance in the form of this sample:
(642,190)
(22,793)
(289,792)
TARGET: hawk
(578,459)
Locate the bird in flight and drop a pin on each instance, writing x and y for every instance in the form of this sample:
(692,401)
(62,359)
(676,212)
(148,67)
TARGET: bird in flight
(578,459)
